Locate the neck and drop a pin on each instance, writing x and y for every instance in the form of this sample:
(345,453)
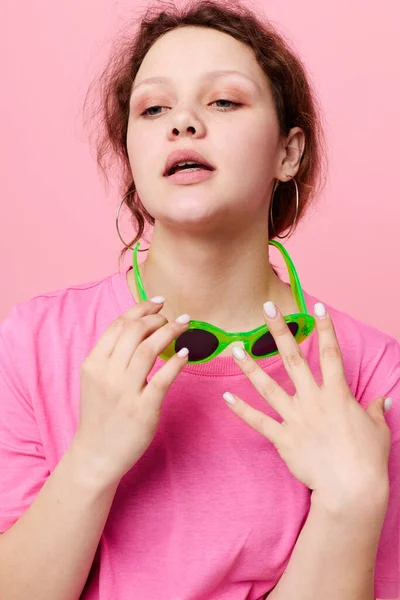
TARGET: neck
(222,281)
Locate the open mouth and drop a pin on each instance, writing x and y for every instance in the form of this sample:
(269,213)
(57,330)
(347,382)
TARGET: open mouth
(187,167)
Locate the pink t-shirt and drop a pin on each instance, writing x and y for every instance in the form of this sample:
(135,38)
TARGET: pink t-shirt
(210,510)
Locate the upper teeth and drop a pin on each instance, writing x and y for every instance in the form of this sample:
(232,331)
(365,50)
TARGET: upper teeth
(186,162)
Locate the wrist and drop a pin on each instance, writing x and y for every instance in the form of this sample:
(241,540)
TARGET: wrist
(90,469)
(355,505)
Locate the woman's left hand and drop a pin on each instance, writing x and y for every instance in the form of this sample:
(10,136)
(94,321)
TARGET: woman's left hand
(327,440)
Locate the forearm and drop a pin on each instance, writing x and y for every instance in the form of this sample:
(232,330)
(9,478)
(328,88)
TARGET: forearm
(334,556)
(48,552)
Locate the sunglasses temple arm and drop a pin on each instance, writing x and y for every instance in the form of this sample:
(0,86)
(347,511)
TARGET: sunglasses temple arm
(293,276)
(138,280)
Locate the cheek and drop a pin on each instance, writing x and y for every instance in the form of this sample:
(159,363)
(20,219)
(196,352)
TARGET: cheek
(143,155)
(251,145)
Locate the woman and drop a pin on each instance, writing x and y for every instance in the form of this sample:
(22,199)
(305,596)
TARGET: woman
(124,473)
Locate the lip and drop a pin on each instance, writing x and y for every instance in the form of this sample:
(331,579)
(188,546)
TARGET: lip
(183,178)
(181,155)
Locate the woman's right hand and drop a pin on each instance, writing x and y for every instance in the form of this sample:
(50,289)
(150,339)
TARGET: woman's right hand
(119,410)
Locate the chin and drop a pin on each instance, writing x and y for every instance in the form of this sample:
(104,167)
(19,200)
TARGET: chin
(189,222)
(192,208)
(190,219)
(189,206)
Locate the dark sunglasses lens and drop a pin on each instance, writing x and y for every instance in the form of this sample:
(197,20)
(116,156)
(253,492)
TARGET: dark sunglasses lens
(266,343)
(200,343)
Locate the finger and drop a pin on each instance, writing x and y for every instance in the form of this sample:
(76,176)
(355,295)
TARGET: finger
(330,355)
(259,421)
(161,381)
(146,353)
(108,340)
(133,333)
(267,387)
(292,357)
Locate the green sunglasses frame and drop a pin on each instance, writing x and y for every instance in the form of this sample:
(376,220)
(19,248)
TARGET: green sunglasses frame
(303,319)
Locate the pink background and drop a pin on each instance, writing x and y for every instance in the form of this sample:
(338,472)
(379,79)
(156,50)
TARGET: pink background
(57,220)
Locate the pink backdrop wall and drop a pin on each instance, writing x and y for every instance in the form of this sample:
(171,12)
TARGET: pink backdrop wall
(57,220)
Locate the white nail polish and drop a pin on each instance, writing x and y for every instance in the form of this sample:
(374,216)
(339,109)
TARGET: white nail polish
(238,353)
(183,352)
(270,310)
(320,310)
(158,299)
(183,319)
(387,404)
(229,398)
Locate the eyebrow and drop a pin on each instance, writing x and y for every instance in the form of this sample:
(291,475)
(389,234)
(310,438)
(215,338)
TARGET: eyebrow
(207,76)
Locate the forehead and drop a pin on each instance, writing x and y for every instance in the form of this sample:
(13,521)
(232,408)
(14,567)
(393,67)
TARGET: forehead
(189,52)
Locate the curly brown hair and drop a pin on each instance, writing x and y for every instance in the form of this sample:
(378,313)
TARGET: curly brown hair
(296,102)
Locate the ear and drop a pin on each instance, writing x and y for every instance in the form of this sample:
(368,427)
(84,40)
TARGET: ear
(292,151)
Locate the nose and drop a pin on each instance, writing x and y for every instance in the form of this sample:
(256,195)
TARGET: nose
(185,124)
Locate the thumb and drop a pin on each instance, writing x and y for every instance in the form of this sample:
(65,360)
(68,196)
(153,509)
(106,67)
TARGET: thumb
(378,408)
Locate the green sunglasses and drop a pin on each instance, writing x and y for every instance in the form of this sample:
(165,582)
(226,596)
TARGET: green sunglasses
(205,341)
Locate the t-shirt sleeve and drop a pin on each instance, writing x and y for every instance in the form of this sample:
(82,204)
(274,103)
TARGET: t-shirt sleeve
(381,377)
(23,467)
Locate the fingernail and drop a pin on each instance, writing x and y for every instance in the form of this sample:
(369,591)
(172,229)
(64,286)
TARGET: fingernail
(238,353)
(229,398)
(183,352)
(387,404)
(270,310)
(320,310)
(158,299)
(183,319)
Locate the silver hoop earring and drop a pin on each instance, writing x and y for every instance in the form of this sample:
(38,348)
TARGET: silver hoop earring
(282,237)
(117,224)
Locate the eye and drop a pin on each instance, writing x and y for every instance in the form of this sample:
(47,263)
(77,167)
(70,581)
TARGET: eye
(152,111)
(147,113)
(233,104)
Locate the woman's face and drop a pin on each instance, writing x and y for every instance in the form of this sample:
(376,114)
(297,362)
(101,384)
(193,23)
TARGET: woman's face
(207,93)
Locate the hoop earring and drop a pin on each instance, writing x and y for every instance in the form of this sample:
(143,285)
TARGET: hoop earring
(282,237)
(117,225)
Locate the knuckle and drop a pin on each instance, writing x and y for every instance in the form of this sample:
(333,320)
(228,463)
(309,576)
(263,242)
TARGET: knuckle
(251,367)
(145,350)
(161,319)
(255,418)
(88,365)
(295,359)
(119,322)
(331,352)
(268,389)
(164,378)
(280,329)
(325,324)
(155,320)
(160,384)
(136,327)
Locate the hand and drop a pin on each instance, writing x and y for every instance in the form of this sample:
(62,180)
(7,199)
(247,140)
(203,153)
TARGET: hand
(327,440)
(120,410)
